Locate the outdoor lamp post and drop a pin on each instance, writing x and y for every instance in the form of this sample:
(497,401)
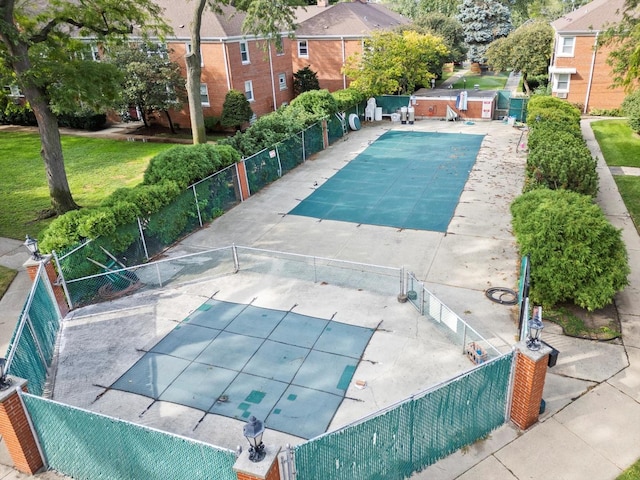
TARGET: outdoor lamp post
(535,327)
(32,246)
(253,431)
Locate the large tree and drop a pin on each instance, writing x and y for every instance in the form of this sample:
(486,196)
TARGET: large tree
(624,40)
(449,29)
(416,8)
(526,50)
(40,52)
(483,21)
(152,83)
(267,19)
(396,62)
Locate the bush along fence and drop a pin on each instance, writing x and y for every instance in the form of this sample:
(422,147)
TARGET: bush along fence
(392,443)
(145,236)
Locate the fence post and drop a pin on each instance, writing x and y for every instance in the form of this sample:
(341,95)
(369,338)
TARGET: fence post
(236,261)
(241,171)
(266,469)
(195,196)
(304,152)
(62,282)
(325,134)
(144,243)
(17,431)
(31,266)
(528,384)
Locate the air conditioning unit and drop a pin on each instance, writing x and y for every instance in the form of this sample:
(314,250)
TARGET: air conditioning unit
(562,94)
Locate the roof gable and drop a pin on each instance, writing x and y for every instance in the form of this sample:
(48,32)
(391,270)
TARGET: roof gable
(349,19)
(591,17)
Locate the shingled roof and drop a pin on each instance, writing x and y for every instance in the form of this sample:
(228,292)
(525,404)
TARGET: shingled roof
(178,14)
(590,18)
(353,19)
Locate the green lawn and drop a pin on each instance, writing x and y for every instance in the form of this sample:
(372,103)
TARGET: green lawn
(631,473)
(6,277)
(95,168)
(489,81)
(619,145)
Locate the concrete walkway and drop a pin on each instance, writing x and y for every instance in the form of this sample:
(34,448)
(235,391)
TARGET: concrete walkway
(591,428)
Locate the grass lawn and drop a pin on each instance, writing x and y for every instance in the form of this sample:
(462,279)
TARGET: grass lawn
(619,145)
(6,277)
(629,188)
(487,81)
(631,473)
(95,168)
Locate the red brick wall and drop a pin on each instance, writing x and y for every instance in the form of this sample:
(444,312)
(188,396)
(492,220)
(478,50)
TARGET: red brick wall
(437,108)
(601,94)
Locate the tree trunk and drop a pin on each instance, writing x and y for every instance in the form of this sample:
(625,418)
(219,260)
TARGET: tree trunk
(171,126)
(194,71)
(525,84)
(51,147)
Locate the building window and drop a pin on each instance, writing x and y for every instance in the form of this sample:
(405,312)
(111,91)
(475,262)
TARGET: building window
(561,82)
(279,46)
(204,94)
(303,48)
(566,46)
(188,47)
(159,49)
(95,53)
(244,52)
(282,81)
(248,90)
(12,91)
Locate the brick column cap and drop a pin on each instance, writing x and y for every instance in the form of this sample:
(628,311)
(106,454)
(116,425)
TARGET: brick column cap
(16,382)
(257,469)
(534,355)
(34,263)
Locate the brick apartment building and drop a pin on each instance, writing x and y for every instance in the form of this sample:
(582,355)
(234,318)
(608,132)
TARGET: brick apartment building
(326,36)
(579,70)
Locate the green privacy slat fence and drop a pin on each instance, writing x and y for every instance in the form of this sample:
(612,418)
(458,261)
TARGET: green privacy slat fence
(335,128)
(392,103)
(313,140)
(290,153)
(414,434)
(33,341)
(86,445)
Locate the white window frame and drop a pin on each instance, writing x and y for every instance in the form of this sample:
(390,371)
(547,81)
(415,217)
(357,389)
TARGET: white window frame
(244,53)
(566,47)
(282,81)
(204,95)
(188,50)
(13,91)
(161,50)
(557,81)
(95,52)
(248,90)
(303,49)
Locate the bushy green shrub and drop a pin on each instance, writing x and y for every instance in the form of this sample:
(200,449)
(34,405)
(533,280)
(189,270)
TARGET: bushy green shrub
(319,103)
(606,112)
(631,108)
(185,164)
(305,80)
(83,120)
(212,124)
(576,254)
(560,160)
(347,98)
(236,110)
(543,104)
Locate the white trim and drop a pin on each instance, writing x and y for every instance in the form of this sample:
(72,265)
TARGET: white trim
(204,91)
(306,49)
(555,88)
(557,70)
(282,81)
(248,89)
(562,46)
(244,53)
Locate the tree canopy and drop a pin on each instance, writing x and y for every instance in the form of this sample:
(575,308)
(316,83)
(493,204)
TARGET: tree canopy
(41,50)
(151,82)
(396,63)
(624,39)
(483,21)
(446,27)
(527,50)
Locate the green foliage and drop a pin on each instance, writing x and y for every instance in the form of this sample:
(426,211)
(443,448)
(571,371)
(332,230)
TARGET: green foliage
(415,9)
(184,164)
(562,161)
(576,254)
(447,27)
(620,146)
(304,80)
(483,21)
(631,108)
(150,81)
(396,63)
(622,39)
(212,124)
(606,112)
(318,103)
(347,98)
(527,50)
(547,107)
(236,110)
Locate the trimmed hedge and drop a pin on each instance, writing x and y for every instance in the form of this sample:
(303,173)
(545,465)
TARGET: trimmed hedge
(576,254)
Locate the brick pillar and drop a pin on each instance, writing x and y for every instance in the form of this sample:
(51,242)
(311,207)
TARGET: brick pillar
(267,469)
(32,265)
(241,170)
(16,430)
(531,370)
(325,135)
